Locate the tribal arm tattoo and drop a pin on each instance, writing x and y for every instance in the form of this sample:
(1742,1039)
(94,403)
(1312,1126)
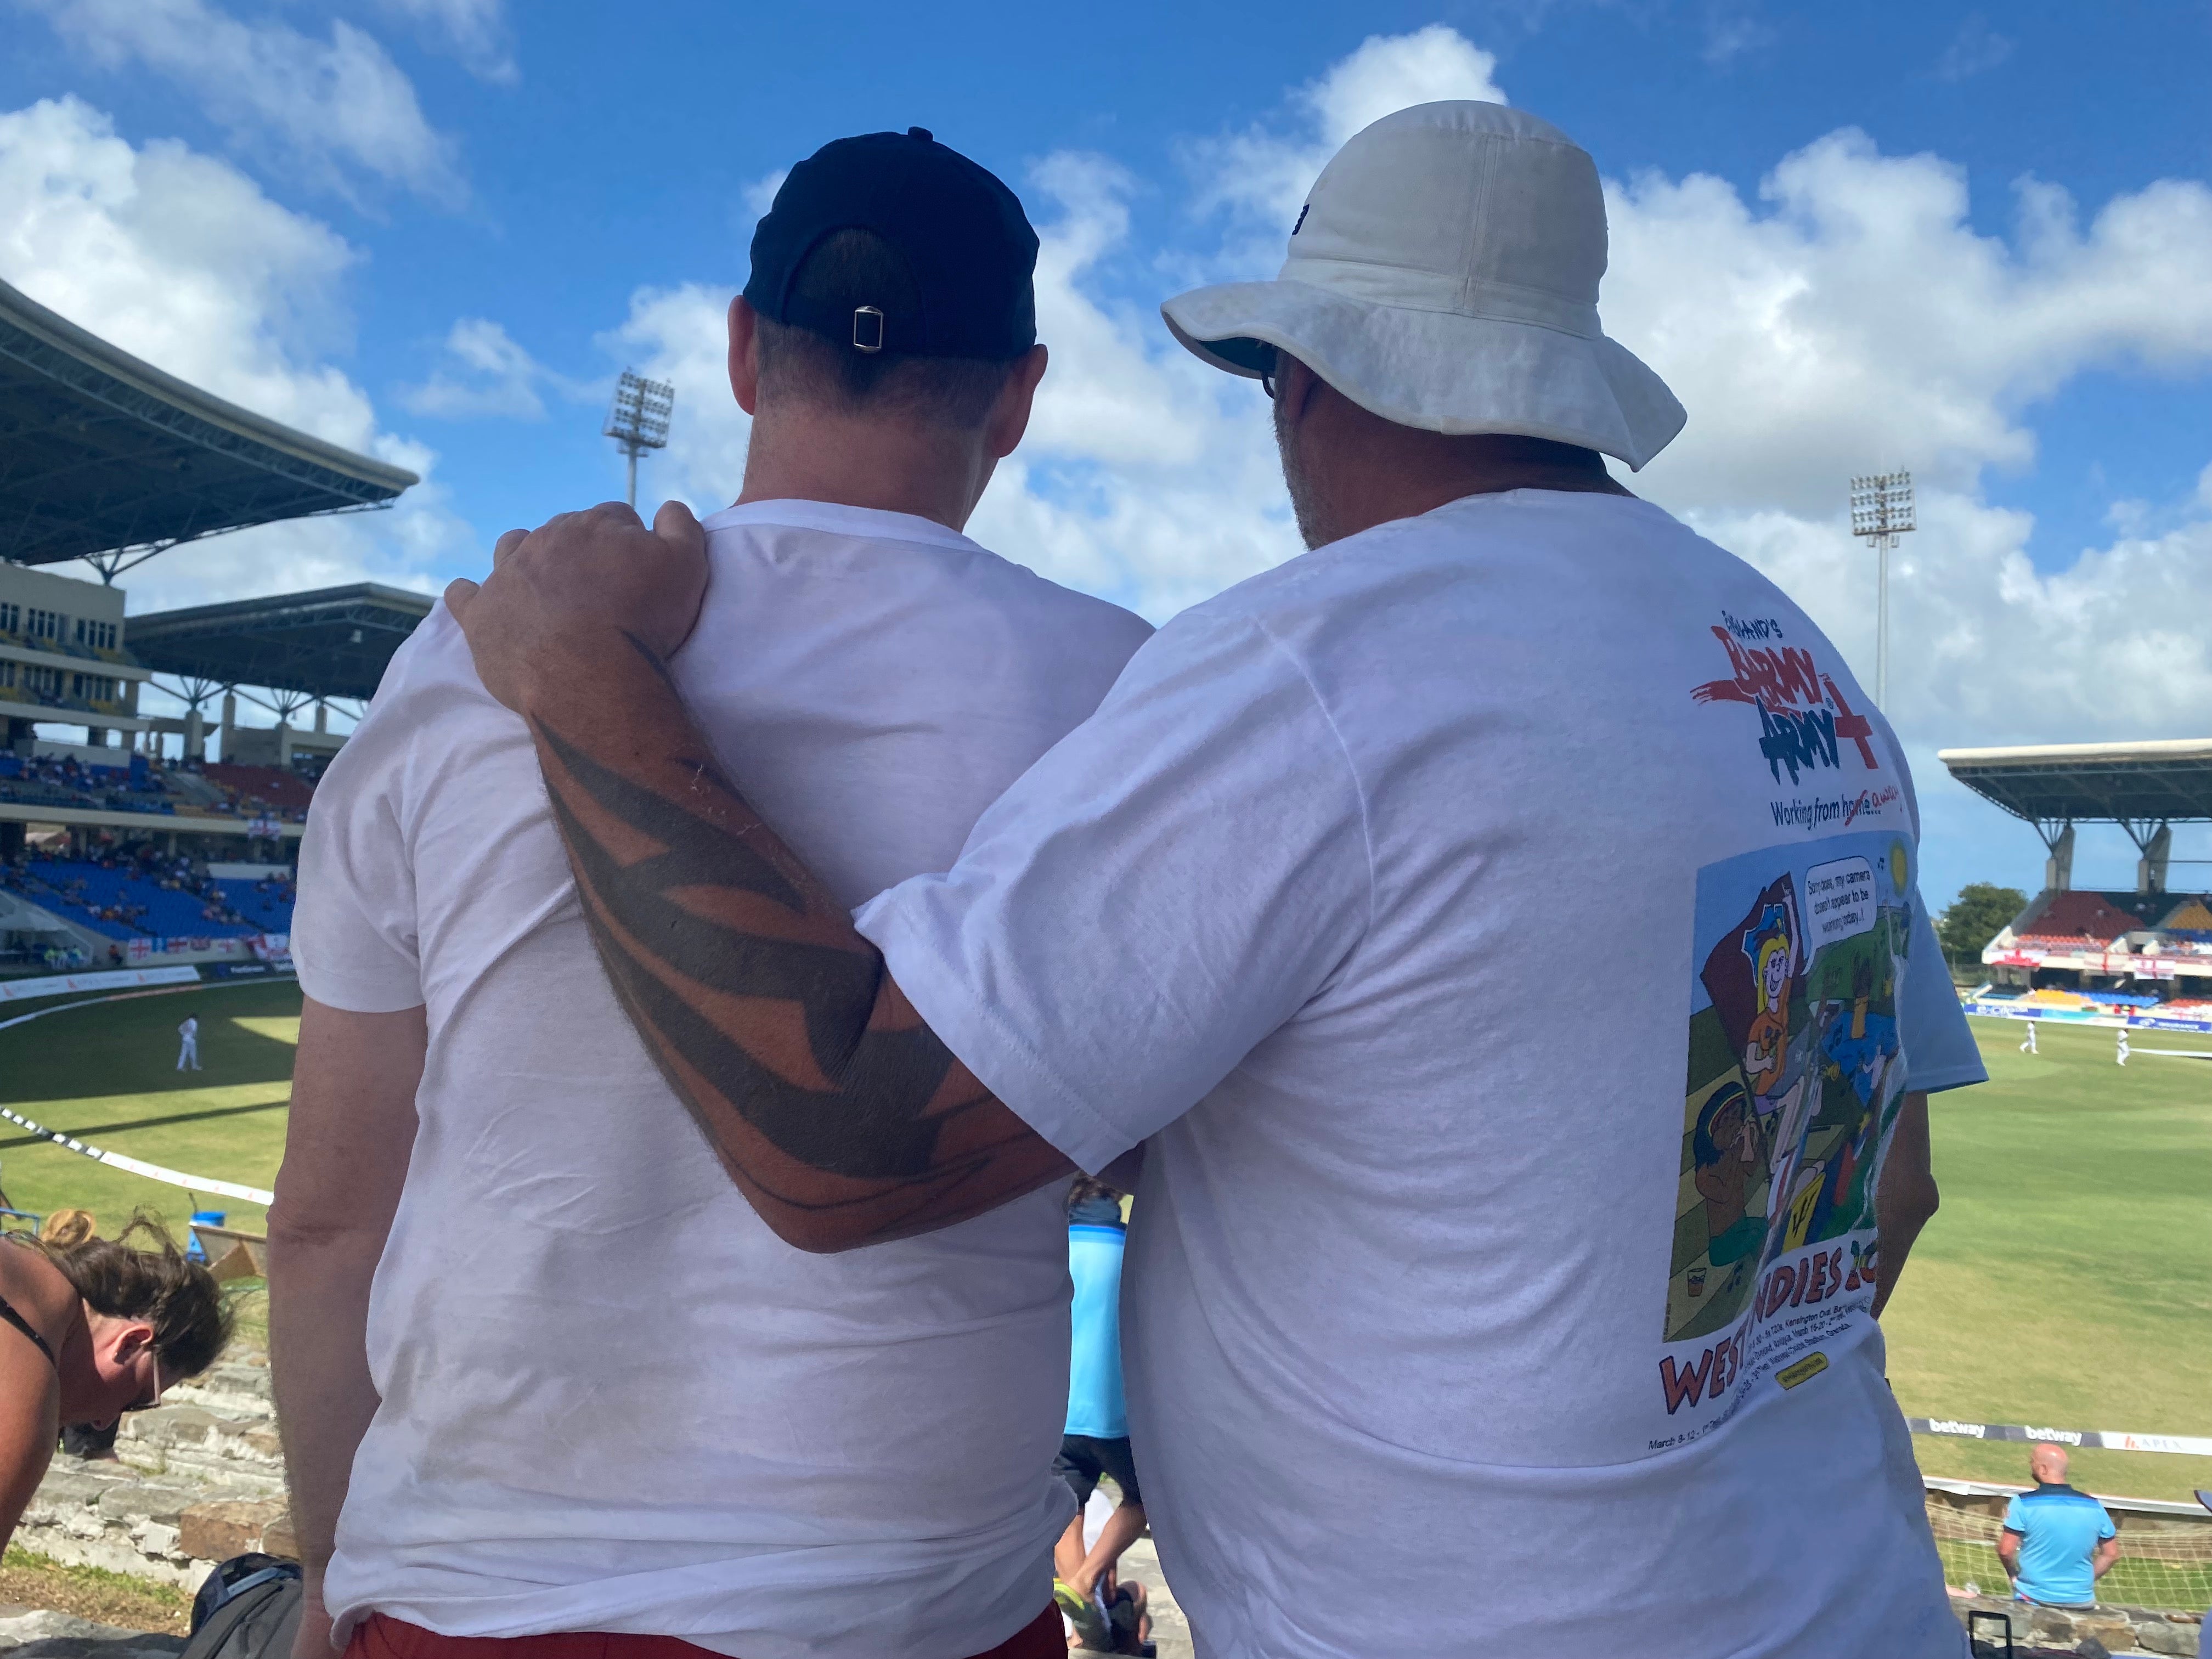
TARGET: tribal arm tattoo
(837,1111)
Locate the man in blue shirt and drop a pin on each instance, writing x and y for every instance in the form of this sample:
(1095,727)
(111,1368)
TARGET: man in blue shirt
(2056,1542)
(1096,1439)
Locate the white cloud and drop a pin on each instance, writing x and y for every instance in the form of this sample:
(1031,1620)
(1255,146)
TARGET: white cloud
(1390,72)
(482,372)
(1264,172)
(328,109)
(1731,30)
(1860,321)
(473,31)
(760,195)
(180,259)
(1976,47)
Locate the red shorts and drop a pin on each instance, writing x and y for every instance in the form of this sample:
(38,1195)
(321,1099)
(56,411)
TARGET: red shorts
(378,1638)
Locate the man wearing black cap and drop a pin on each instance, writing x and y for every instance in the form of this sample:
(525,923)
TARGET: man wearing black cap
(593,1392)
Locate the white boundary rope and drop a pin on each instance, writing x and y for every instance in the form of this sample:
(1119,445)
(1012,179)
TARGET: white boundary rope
(151,1171)
(2107,1439)
(118,1160)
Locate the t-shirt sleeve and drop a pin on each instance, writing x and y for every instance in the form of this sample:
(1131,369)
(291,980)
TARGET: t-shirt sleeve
(1939,1050)
(2105,1526)
(2016,1517)
(354,938)
(1165,888)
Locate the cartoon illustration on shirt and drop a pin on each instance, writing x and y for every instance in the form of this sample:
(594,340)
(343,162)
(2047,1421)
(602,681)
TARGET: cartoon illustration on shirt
(1730,1151)
(1775,953)
(1793,1084)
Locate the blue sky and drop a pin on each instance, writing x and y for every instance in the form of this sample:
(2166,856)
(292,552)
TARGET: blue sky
(1969,241)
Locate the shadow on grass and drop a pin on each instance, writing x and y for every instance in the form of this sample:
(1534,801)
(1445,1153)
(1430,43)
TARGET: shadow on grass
(95,1132)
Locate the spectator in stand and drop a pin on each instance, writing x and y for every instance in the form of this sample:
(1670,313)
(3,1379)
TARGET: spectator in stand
(1095,1441)
(2056,1542)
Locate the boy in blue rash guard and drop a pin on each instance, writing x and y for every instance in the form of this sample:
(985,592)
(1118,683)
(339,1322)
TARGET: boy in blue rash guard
(1097,1441)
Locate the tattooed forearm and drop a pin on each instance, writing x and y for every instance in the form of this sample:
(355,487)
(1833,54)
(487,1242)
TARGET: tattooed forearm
(840,1114)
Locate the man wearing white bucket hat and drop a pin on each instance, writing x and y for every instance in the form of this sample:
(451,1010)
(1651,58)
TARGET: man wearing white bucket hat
(1438,1338)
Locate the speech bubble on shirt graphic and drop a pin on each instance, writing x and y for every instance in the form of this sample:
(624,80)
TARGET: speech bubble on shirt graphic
(1840,900)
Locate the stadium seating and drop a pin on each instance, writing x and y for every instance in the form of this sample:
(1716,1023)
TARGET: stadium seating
(266,909)
(287,794)
(2072,917)
(119,903)
(132,787)
(2192,917)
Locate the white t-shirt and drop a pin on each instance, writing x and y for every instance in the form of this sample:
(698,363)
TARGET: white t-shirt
(1412,898)
(612,1399)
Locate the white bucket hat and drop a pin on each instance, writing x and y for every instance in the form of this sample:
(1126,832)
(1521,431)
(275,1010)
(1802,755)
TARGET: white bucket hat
(1444,274)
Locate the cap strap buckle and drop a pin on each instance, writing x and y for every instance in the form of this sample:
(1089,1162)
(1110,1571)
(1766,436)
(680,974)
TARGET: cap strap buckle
(862,329)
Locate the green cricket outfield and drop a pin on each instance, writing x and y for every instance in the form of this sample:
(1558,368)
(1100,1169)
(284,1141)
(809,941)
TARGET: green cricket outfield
(2067,1280)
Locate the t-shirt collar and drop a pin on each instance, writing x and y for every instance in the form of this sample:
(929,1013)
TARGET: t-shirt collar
(837,519)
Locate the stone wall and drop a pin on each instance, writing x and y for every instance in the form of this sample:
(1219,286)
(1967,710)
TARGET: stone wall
(2122,1630)
(28,1634)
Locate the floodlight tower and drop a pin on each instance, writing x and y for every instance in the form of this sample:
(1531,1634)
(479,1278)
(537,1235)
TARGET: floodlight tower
(638,419)
(1882,509)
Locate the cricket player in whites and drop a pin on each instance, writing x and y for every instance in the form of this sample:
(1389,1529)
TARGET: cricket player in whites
(188,1046)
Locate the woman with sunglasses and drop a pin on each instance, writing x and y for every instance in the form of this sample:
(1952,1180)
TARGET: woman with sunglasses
(88,1331)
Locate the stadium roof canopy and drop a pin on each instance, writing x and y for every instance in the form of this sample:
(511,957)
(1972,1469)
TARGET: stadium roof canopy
(331,643)
(105,458)
(2128,783)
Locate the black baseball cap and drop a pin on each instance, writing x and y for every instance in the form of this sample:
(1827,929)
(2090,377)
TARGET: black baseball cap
(961,234)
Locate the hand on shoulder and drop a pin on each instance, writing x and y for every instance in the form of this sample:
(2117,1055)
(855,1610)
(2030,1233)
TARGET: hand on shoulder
(580,580)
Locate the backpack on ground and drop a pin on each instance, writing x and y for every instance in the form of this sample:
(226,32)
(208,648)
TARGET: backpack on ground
(248,1608)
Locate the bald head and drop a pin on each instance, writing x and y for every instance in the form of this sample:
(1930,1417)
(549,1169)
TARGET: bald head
(2047,1463)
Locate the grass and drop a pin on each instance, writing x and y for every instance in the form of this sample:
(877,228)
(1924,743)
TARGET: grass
(2067,1281)
(109,1598)
(107,1074)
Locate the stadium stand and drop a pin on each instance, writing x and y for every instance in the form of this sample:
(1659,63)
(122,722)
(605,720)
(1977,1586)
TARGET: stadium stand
(150,898)
(136,786)
(2072,918)
(114,460)
(251,788)
(2146,949)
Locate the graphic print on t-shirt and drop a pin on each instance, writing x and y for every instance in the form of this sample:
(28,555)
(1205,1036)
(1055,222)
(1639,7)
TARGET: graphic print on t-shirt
(1794,1080)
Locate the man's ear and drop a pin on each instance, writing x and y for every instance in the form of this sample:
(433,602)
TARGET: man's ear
(1010,414)
(1296,386)
(744,353)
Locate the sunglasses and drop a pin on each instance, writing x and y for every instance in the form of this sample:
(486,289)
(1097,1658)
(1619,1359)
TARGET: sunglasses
(154,1395)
